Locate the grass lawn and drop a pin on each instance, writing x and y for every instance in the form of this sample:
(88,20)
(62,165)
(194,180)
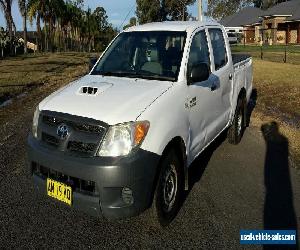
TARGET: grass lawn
(275,53)
(278,98)
(278,85)
(18,74)
(271,48)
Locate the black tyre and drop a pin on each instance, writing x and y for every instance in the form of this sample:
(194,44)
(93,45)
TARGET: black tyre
(236,130)
(168,192)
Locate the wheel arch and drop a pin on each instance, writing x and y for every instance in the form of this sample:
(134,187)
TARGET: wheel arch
(178,145)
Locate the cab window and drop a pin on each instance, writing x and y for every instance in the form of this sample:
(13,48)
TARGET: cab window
(218,47)
(199,52)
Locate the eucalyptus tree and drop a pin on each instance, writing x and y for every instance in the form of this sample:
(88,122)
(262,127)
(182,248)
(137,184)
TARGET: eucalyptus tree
(6,6)
(161,10)
(4,40)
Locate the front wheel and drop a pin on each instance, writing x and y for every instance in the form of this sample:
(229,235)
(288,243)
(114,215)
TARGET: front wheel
(168,192)
(236,130)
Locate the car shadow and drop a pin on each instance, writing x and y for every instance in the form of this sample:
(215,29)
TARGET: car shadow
(198,166)
(279,211)
(251,105)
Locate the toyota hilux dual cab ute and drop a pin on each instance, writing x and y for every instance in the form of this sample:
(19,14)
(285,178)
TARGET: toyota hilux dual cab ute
(120,140)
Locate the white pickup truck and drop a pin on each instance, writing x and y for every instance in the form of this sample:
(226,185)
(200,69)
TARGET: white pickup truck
(120,140)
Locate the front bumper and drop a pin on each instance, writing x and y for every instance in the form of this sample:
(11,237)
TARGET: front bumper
(110,175)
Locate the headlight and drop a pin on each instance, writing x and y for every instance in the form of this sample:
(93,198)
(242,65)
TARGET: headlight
(35,122)
(121,139)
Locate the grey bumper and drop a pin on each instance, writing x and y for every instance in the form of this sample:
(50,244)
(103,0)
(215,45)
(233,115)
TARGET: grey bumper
(110,175)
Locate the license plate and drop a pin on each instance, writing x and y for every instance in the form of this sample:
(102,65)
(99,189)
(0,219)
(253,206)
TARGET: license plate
(59,191)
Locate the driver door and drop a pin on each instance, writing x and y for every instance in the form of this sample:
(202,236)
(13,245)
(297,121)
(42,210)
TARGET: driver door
(202,96)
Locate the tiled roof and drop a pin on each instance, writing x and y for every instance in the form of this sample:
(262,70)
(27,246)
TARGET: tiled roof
(246,16)
(285,8)
(251,15)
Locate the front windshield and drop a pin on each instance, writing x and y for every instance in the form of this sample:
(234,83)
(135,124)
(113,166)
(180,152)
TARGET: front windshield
(146,54)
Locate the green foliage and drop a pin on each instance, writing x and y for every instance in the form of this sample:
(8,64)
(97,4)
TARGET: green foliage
(264,4)
(148,11)
(219,9)
(132,22)
(161,10)
(68,27)
(177,10)
(22,7)
(4,37)
(6,43)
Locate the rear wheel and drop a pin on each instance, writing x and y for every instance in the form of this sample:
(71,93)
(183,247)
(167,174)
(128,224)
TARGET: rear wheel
(168,192)
(236,130)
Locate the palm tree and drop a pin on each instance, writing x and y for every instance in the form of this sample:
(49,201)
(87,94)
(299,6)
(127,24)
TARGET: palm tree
(53,12)
(36,10)
(68,22)
(23,11)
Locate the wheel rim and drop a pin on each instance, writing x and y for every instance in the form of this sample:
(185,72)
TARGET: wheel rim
(239,123)
(169,188)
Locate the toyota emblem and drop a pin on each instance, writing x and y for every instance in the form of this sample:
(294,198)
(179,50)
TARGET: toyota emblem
(62,131)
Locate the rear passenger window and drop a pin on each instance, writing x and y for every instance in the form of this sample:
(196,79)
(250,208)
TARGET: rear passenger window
(199,51)
(219,48)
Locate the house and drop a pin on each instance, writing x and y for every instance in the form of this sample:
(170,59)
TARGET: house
(279,24)
(31,39)
(244,22)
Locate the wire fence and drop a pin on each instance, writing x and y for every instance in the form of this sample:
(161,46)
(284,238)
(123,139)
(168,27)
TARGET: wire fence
(274,53)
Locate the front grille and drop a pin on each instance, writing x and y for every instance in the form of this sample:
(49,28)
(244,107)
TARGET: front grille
(83,137)
(52,140)
(54,122)
(77,184)
(88,128)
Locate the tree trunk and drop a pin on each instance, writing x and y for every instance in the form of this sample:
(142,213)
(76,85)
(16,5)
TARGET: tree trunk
(10,32)
(50,39)
(14,33)
(39,32)
(45,38)
(13,25)
(25,32)
(65,39)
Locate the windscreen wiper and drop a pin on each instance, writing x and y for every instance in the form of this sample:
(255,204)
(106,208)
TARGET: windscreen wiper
(134,74)
(154,77)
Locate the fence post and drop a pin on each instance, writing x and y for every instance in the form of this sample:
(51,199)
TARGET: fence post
(261,53)
(285,53)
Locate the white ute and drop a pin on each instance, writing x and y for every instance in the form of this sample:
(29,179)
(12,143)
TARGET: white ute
(120,140)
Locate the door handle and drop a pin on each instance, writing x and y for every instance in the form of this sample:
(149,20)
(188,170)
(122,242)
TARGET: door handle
(230,77)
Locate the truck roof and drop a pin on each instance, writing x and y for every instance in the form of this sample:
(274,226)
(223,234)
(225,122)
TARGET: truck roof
(171,26)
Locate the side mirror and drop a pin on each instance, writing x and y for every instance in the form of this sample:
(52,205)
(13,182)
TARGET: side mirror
(199,73)
(92,63)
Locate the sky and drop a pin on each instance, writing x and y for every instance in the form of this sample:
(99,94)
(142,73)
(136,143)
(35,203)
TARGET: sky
(117,10)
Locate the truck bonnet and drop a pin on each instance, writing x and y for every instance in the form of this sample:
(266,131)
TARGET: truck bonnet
(109,99)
